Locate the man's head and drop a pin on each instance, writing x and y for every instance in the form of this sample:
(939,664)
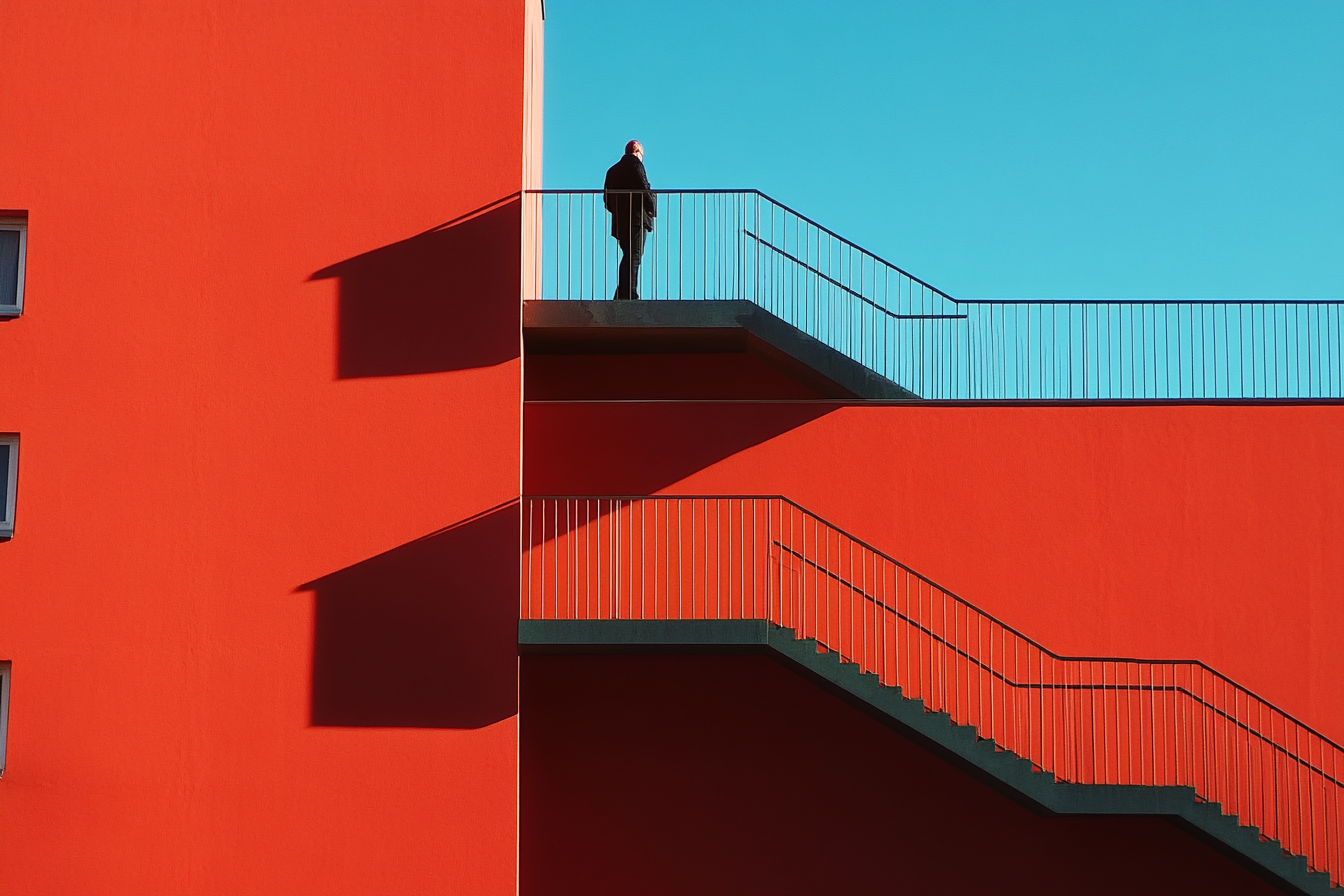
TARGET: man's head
(636,149)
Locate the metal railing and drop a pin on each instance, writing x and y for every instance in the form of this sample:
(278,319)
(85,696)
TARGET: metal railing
(717,245)
(1088,720)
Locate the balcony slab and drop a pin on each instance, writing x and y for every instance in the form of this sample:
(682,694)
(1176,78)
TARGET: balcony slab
(677,326)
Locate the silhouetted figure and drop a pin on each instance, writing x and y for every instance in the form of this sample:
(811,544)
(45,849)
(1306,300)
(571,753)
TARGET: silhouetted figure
(633,206)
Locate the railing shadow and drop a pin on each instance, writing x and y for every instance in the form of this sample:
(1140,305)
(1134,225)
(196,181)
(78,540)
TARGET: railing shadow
(421,636)
(642,448)
(444,300)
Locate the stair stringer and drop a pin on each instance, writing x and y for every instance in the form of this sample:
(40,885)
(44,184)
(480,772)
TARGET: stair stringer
(1003,770)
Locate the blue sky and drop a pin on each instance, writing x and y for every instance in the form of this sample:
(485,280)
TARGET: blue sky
(996,149)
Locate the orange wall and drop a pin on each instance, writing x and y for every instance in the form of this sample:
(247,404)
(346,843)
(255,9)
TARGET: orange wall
(1208,532)
(228,558)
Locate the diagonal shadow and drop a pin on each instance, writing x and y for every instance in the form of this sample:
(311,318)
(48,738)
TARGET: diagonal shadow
(638,448)
(424,635)
(447,299)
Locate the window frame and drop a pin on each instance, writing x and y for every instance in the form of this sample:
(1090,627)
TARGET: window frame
(6,673)
(11,475)
(9,222)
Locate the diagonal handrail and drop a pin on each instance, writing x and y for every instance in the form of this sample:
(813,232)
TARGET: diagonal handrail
(1091,720)
(751,191)
(1011,682)
(837,284)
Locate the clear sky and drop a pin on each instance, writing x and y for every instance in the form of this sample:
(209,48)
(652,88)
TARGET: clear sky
(1046,149)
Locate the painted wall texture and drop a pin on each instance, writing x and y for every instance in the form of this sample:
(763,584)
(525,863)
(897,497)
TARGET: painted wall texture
(1165,532)
(261,600)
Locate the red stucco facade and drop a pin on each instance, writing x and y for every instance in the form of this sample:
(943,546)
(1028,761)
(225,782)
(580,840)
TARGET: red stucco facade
(261,604)
(241,457)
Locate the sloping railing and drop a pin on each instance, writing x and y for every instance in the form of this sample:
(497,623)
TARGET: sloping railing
(1087,720)
(717,244)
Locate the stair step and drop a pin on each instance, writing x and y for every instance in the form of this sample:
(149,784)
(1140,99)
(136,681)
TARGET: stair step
(1024,775)
(1017,772)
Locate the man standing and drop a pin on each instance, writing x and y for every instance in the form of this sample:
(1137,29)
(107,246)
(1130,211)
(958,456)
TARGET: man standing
(633,206)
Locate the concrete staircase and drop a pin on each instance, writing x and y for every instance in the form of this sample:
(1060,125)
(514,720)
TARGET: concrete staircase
(1005,771)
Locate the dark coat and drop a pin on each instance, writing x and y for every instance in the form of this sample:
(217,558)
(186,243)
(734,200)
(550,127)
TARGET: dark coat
(637,206)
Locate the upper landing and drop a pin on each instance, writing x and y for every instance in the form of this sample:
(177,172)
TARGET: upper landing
(735,339)
(743,269)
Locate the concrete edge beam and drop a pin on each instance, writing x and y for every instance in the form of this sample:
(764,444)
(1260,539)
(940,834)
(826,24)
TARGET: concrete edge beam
(581,321)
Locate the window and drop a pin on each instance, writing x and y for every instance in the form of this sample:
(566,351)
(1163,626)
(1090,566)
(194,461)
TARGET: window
(13,250)
(9,480)
(4,711)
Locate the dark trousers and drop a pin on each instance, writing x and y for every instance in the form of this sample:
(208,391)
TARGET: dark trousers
(632,251)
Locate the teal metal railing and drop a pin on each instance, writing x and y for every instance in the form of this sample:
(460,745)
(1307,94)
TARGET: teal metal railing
(1086,720)
(709,245)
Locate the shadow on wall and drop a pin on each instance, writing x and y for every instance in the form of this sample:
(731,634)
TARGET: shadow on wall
(444,300)
(596,448)
(424,635)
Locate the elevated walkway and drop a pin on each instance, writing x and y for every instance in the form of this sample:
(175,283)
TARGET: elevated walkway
(724,246)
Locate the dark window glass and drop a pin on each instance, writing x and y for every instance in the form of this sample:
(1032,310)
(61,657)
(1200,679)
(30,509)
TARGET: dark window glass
(9,267)
(4,481)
